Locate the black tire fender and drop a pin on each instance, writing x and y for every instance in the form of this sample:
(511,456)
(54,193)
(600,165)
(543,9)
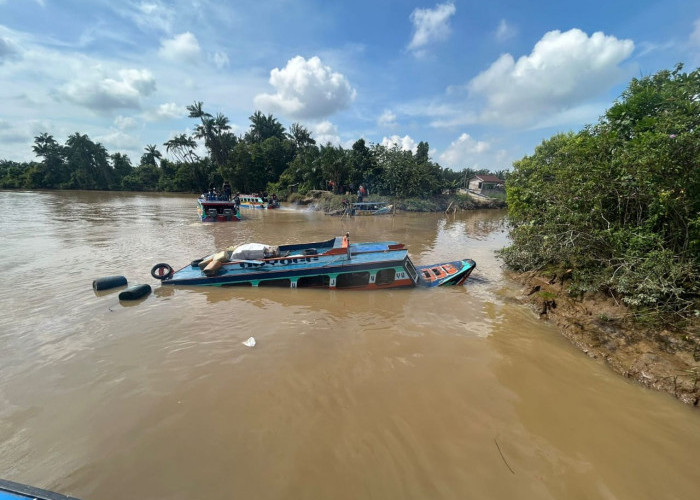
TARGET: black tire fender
(162,271)
(108,282)
(135,292)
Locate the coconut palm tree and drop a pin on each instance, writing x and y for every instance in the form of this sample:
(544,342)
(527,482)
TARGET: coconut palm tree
(151,155)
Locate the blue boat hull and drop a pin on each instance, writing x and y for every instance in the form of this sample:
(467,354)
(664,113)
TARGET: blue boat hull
(10,490)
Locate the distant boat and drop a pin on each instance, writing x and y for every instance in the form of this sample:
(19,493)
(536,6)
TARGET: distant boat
(255,201)
(371,208)
(217,210)
(334,264)
(16,491)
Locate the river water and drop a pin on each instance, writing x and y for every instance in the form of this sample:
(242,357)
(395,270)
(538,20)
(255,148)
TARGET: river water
(449,393)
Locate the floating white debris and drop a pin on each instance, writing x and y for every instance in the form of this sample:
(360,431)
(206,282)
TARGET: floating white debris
(250,342)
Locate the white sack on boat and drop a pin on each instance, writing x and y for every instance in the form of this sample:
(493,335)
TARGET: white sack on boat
(253,251)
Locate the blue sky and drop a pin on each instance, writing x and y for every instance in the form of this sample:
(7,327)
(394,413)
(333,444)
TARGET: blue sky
(482,82)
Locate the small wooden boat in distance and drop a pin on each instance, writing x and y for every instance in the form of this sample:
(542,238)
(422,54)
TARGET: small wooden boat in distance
(335,263)
(371,208)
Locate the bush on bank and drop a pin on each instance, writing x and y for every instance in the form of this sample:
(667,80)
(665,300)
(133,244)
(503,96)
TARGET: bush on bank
(616,206)
(329,202)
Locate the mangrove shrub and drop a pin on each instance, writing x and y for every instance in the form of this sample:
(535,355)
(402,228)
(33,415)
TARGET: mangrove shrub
(617,205)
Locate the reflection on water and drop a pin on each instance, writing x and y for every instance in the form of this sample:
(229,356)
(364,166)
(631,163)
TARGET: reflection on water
(445,393)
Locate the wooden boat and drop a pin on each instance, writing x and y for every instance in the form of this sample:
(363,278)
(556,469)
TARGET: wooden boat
(255,201)
(217,210)
(326,264)
(371,208)
(10,490)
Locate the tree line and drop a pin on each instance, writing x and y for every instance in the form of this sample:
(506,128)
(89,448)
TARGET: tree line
(616,206)
(267,157)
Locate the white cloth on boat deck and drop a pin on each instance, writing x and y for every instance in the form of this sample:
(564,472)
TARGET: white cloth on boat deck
(253,251)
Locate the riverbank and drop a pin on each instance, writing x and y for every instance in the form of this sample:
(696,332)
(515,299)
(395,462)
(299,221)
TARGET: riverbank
(661,359)
(334,204)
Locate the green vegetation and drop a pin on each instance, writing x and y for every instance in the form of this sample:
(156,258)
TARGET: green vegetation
(265,158)
(617,205)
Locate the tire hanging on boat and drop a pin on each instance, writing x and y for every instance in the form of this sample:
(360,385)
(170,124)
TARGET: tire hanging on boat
(162,271)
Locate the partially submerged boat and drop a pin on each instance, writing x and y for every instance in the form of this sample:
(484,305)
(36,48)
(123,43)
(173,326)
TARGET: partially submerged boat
(216,210)
(371,208)
(334,263)
(10,490)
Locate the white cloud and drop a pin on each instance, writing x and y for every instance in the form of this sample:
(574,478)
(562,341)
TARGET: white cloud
(103,93)
(325,132)
(505,31)
(149,16)
(17,138)
(11,133)
(125,122)
(182,48)
(563,70)
(8,49)
(306,89)
(118,140)
(387,119)
(430,25)
(695,35)
(167,111)
(405,143)
(220,59)
(465,152)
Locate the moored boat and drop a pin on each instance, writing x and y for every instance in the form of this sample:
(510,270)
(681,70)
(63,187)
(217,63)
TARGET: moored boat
(334,263)
(371,208)
(217,210)
(255,201)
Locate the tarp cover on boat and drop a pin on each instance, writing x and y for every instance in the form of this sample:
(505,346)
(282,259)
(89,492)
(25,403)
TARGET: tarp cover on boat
(252,251)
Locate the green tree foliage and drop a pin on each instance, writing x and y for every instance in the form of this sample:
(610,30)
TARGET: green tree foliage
(52,171)
(265,157)
(151,156)
(264,127)
(90,168)
(619,202)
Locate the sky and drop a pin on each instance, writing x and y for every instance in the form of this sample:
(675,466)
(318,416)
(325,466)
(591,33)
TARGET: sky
(483,83)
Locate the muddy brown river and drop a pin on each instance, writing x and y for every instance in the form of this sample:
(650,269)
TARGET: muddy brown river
(450,393)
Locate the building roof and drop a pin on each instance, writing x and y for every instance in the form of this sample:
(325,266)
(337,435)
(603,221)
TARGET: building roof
(489,178)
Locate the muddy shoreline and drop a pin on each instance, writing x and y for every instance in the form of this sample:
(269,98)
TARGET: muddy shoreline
(661,359)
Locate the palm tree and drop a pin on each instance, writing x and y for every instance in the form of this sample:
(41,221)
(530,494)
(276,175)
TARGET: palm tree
(53,168)
(151,155)
(215,133)
(263,127)
(301,136)
(196,110)
(182,147)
